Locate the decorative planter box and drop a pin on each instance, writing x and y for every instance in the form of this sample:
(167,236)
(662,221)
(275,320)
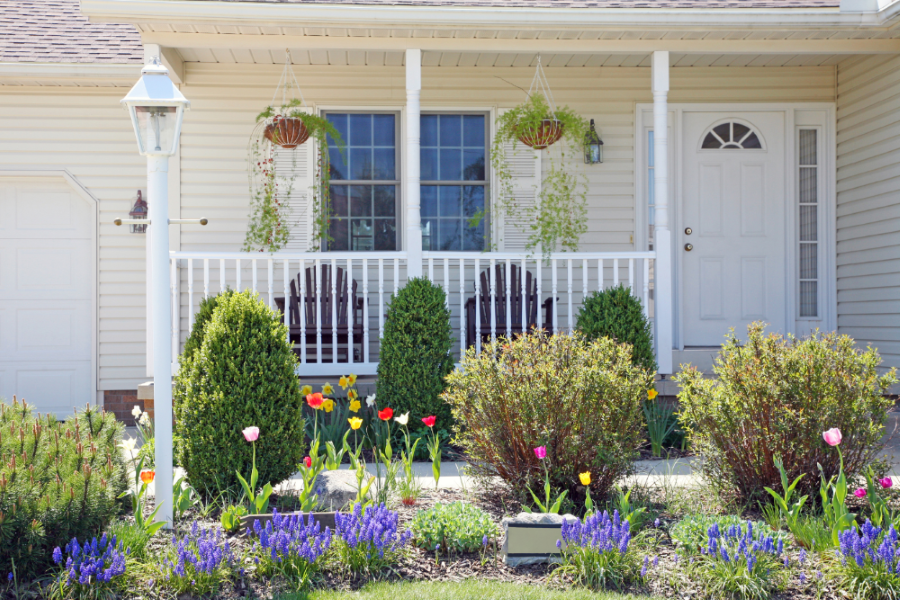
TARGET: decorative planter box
(530,538)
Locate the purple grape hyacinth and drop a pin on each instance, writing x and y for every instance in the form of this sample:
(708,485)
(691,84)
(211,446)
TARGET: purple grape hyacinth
(376,530)
(872,546)
(201,552)
(737,543)
(96,562)
(598,532)
(288,541)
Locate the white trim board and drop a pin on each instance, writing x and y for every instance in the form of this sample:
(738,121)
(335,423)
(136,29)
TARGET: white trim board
(82,192)
(821,115)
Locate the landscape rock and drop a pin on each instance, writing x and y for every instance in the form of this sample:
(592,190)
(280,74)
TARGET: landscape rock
(336,489)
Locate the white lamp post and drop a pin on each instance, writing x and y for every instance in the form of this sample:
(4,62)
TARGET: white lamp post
(157,109)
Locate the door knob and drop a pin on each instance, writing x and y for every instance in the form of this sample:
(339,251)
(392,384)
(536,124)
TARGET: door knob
(688,231)
(688,247)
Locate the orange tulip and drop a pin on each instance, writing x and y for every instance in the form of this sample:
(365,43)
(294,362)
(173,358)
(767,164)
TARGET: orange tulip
(147,476)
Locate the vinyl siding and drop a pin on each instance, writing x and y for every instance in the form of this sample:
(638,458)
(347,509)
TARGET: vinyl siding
(868,203)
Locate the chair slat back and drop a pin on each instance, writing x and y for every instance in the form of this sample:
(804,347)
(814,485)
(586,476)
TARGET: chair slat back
(516,298)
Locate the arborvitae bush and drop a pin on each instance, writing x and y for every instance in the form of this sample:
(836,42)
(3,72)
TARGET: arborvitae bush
(242,375)
(201,321)
(579,399)
(773,397)
(615,313)
(415,354)
(57,481)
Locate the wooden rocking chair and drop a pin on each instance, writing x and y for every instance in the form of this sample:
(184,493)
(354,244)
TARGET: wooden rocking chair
(516,300)
(347,313)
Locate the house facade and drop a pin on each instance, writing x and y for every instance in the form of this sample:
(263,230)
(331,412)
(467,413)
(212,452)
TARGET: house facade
(751,170)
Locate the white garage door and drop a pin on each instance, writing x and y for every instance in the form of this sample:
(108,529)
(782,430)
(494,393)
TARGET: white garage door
(46,294)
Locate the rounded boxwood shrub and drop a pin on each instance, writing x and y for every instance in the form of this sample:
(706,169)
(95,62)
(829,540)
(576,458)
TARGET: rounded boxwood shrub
(201,321)
(773,398)
(581,399)
(617,314)
(415,353)
(242,375)
(57,481)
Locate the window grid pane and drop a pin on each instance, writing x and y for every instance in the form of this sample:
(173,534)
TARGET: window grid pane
(808,197)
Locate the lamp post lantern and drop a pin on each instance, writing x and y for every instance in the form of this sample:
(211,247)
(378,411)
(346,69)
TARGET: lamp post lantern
(157,109)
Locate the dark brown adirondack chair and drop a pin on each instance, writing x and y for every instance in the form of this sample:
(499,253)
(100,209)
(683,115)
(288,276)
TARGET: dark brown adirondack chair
(516,300)
(348,311)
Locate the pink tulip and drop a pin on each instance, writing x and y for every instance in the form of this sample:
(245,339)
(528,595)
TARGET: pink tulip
(832,436)
(886,482)
(251,434)
(541,452)
(860,493)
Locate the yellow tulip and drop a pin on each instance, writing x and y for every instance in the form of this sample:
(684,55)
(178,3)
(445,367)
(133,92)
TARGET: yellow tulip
(652,394)
(306,390)
(352,379)
(355,423)
(585,478)
(328,404)
(355,405)
(343,383)
(327,389)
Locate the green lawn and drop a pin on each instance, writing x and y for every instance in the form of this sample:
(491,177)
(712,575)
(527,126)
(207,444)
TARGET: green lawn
(467,590)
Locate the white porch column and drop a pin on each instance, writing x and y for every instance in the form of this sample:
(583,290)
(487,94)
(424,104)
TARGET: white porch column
(663,236)
(413,214)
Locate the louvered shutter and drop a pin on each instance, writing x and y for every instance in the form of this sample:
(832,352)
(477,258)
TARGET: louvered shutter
(298,162)
(525,168)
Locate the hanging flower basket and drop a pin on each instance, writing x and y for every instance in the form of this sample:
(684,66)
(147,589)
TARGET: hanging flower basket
(543,136)
(287,132)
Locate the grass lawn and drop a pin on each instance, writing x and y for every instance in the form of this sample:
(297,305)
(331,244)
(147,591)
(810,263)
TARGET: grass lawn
(467,590)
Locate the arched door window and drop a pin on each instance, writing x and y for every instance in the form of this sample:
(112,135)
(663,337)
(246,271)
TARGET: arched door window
(731,135)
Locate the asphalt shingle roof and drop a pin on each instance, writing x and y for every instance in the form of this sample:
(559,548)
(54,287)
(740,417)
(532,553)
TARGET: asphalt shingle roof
(55,31)
(702,4)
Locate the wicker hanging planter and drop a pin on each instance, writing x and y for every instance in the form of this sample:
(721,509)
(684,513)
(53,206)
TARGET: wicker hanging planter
(287,132)
(542,136)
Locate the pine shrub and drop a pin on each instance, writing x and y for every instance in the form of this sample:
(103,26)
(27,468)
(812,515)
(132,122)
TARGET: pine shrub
(242,375)
(773,398)
(580,399)
(415,353)
(57,481)
(616,313)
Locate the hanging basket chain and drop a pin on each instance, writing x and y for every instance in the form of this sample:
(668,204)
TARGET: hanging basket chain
(540,85)
(288,80)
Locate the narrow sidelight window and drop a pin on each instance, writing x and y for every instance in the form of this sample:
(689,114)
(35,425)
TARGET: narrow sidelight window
(809,222)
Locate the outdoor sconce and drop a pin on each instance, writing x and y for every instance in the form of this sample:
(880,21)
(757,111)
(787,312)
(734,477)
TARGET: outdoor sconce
(593,146)
(139,213)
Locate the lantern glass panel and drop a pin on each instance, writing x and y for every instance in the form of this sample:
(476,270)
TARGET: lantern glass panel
(156,128)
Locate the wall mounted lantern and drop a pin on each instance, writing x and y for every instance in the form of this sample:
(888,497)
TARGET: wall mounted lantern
(139,213)
(593,146)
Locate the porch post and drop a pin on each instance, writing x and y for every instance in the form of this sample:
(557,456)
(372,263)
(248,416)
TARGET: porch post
(413,214)
(663,236)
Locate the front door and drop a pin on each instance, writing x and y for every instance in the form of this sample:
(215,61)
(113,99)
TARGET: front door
(732,242)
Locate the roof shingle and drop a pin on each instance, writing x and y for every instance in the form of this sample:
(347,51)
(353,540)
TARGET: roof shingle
(701,4)
(55,31)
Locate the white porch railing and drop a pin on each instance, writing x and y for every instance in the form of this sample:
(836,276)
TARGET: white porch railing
(565,277)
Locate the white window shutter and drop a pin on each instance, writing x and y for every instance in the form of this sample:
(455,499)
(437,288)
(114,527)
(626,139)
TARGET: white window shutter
(525,168)
(300,163)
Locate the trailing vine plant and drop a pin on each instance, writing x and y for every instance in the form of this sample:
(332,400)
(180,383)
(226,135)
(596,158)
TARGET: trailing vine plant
(559,217)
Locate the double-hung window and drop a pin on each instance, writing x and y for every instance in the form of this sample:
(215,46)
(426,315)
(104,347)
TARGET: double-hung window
(453,173)
(365,182)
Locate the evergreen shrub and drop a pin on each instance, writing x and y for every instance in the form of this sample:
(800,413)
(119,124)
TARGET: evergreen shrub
(581,399)
(773,397)
(57,481)
(242,375)
(415,354)
(616,313)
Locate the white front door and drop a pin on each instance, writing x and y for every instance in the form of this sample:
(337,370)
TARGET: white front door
(732,242)
(46,295)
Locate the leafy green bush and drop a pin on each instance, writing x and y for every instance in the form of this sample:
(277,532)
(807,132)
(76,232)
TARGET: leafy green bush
(201,321)
(57,481)
(458,527)
(773,398)
(580,399)
(415,353)
(617,314)
(242,376)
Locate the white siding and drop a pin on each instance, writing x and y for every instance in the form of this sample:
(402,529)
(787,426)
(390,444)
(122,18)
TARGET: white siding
(868,199)
(86,132)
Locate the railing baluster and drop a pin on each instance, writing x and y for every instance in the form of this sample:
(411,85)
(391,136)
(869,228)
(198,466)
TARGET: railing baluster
(286,278)
(477,323)
(493,284)
(270,273)
(631,276)
(522,276)
(569,285)
(508,299)
(462,308)
(205,278)
(365,310)
(301,275)
(255,274)
(615,272)
(222,283)
(599,274)
(190,282)
(430,270)
(553,274)
(176,318)
(380,301)
(237,271)
(646,294)
(397,276)
(351,308)
(447,283)
(334,342)
(318,301)
(540,313)
(584,280)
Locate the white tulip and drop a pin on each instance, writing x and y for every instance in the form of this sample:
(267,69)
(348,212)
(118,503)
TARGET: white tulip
(128,444)
(370,401)
(136,411)
(402,419)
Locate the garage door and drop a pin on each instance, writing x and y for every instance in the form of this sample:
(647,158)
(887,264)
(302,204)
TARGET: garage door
(46,294)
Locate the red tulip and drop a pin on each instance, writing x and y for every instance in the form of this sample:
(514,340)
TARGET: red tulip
(308,462)
(860,493)
(886,482)
(429,421)
(386,414)
(315,400)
